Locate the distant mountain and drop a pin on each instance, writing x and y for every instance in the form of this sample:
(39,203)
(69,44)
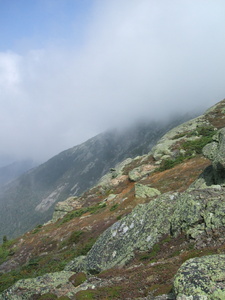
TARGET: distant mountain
(30,199)
(15,169)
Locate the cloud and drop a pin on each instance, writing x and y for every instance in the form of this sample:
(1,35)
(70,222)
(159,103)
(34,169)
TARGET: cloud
(137,59)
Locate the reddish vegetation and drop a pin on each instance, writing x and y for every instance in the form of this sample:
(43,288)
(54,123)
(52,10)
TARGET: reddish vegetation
(217,116)
(180,177)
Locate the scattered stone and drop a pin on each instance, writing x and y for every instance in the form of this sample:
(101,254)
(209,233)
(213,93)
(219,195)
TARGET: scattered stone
(144,191)
(140,172)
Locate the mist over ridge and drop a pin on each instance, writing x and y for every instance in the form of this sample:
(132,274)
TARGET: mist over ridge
(104,65)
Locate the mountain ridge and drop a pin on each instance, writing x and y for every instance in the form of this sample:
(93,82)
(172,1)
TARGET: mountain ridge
(117,240)
(30,199)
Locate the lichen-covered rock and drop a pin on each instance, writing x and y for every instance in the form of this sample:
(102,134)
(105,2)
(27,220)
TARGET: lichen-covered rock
(144,191)
(193,212)
(164,149)
(139,230)
(141,171)
(77,265)
(106,180)
(62,208)
(57,283)
(198,211)
(201,277)
(215,151)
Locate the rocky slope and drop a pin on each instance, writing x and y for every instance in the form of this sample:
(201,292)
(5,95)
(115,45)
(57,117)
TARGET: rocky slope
(152,228)
(30,200)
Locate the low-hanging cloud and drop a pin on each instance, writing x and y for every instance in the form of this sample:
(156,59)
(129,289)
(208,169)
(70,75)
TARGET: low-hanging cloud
(137,59)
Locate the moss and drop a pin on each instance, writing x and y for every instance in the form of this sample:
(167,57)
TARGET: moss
(78,279)
(82,295)
(48,296)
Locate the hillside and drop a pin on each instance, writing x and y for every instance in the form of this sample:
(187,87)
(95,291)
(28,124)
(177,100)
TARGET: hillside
(13,170)
(151,228)
(31,198)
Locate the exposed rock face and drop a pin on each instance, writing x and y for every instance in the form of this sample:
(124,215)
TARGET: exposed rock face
(215,151)
(164,149)
(202,278)
(140,230)
(194,212)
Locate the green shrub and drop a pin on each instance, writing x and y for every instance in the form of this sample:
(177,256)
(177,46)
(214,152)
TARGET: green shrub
(170,163)
(114,207)
(6,250)
(78,213)
(4,239)
(191,148)
(36,229)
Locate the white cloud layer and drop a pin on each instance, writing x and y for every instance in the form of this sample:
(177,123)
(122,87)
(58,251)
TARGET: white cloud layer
(138,59)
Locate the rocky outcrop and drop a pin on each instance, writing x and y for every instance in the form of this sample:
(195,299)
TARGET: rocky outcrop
(214,175)
(215,151)
(62,208)
(194,212)
(166,146)
(140,230)
(201,278)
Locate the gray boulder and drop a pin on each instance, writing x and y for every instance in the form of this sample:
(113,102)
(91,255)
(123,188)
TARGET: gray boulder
(139,230)
(194,212)
(145,191)
(26,289)
(215,151)
(201,278)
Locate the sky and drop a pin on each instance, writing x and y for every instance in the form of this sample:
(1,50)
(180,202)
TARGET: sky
(70,69)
